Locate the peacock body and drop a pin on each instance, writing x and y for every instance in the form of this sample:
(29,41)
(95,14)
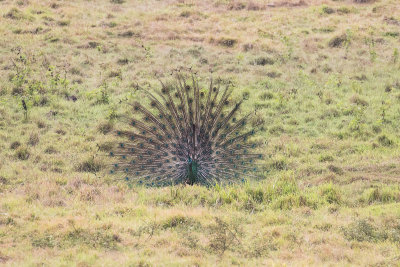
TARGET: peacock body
(187,135)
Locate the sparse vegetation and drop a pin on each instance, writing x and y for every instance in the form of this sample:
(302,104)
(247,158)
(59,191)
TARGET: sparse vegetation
(322,75)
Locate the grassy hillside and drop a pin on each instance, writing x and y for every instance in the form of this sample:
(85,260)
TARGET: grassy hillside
(324,76)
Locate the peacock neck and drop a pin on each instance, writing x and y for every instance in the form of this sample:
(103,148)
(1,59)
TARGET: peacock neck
(192,172)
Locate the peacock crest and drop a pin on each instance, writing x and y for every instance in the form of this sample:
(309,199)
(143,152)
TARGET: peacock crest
(186,135)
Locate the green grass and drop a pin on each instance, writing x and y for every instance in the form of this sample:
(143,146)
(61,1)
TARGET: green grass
(323,76)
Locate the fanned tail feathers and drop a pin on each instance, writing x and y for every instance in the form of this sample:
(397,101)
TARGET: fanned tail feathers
(185,136)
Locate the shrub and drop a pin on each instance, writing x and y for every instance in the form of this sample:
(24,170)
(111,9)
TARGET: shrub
(364,1)
(385,141)
(343,10)
(89,165)
(46,241)
(179,221)
(279,164)
(227,42)
(362,230)
(33,139)
(262,61)
(223,236)
(335,169)
(327,10)
(14,145)
(98,239)
(15,13)
(338,41)
(22,153)
(325,158)
(50,150)
(356,99)
(105,127)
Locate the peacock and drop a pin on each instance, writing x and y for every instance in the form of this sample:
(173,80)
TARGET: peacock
(186,135)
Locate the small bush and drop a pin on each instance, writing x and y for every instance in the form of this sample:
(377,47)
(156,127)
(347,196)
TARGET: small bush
(14,145)
(338,41)
(50,150)
(15,14)
(262,61)
(46,241)
(98,239)
(41,124)
(274,74)
(22,153)
(385,141)
(106,146)
(179,221)
(327,10)
(223,236)
(123,61)
(356,99)
(127,34)
(61,131)
(325,158)
(3,180)
(227,42)
(63,23)
(364,1)
(279,164)
(89,165)
(33,139)
(256,194)
(392,34)
(343,10)
(362,230)
(266,96)
(335,169)
(105,127)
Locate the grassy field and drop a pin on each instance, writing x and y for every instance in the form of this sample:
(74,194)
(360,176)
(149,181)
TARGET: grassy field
(323,75)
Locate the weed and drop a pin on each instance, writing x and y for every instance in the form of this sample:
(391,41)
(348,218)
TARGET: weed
(331,194)
(223,236)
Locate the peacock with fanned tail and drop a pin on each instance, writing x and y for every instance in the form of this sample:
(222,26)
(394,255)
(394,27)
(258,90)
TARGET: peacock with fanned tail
(188,135)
